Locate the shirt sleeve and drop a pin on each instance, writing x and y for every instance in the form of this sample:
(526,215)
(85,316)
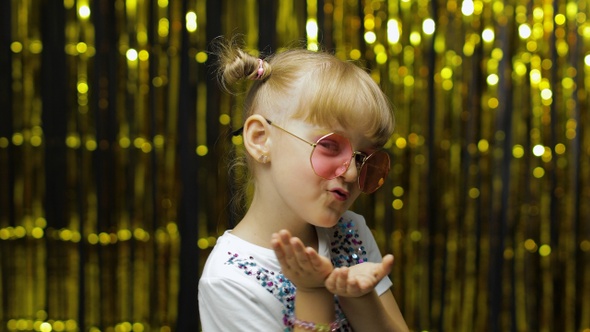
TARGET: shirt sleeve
(374,255)
(225,305)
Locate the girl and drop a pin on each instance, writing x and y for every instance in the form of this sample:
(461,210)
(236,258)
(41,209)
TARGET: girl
(299,260)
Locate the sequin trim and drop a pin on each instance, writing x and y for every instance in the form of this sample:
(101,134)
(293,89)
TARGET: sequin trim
(347,248)
(274,282)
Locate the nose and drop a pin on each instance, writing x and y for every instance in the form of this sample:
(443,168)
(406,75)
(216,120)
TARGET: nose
(351,173)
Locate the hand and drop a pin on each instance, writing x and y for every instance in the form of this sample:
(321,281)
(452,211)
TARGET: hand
(360,279)
(304,267)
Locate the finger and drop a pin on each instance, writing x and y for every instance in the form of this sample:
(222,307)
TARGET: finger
(331,281)
(386,266)
(314,258)
(388,262)
(300,253)
(284,237)
(361,285)
(281,244)
(379,271)
(342,281)
(275,243)
(279,250)
(354,286)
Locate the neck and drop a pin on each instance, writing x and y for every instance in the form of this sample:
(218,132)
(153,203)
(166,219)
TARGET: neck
(258,228)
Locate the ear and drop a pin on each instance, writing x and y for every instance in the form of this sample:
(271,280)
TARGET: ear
(256,137)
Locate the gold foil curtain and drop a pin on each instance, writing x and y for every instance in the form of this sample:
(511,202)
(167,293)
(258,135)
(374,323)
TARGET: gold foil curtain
(114,144)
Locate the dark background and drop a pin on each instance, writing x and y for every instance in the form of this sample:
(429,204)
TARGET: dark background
(113,170)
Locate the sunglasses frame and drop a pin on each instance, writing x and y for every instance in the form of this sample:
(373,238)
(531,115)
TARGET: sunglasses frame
(364,156)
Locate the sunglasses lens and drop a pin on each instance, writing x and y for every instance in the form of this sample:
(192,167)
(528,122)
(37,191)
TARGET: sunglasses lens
(331,156)
(374,172)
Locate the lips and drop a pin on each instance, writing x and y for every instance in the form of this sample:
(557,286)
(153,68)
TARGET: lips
(340,194)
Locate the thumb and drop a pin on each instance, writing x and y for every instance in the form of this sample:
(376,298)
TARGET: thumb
(387,263)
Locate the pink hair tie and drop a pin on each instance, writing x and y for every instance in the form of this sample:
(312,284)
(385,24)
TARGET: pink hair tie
(260,69)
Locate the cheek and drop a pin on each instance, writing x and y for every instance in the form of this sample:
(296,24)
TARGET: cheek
(293,169)
(293,159)
(296,166)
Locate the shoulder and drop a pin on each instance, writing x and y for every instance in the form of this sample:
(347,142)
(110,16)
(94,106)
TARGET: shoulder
(233,257)
(236,266)
(351,216)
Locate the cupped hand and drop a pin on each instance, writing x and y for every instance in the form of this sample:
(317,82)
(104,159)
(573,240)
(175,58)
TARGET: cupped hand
(303,266)
(358,280)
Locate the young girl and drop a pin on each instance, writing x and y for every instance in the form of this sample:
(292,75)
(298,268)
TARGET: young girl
(299,260)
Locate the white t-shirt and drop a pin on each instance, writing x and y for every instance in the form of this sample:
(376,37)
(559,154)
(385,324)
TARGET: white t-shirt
(242,287)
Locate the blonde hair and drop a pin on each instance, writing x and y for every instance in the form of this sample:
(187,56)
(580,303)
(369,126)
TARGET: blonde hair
(316,87)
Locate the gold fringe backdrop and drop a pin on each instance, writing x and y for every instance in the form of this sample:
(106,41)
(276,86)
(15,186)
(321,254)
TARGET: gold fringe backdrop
(114,139)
